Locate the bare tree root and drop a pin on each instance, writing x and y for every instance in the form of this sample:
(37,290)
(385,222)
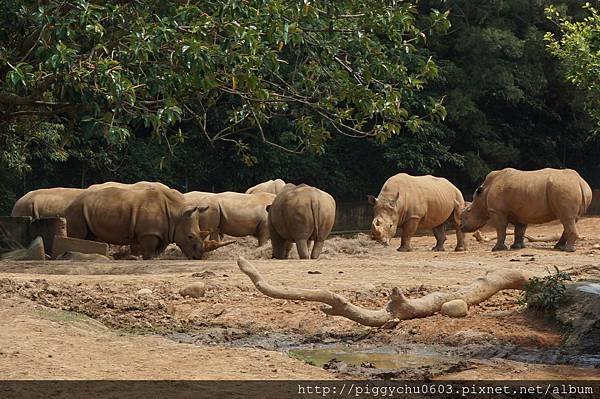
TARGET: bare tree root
(399,307)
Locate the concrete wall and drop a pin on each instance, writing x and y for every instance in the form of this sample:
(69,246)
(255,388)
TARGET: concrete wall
(24,229)
(353,216)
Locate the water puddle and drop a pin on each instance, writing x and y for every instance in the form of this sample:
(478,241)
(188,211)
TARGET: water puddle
(551,356)
(405,361)
(412,356)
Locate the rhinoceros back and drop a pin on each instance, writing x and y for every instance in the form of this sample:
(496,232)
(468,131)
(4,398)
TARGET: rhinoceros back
(47,202)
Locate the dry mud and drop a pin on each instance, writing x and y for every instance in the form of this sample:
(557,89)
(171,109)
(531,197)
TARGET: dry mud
(69,319)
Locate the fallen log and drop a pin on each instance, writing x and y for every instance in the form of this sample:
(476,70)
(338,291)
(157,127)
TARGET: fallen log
(399,307)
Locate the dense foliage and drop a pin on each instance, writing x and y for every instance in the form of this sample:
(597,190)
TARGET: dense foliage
(219,94)
(579,49)
(507,100)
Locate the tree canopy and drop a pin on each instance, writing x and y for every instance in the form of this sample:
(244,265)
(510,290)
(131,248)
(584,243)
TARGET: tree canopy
(106,70)
(578,47)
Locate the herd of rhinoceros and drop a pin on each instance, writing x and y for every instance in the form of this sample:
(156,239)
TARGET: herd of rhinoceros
(149,215)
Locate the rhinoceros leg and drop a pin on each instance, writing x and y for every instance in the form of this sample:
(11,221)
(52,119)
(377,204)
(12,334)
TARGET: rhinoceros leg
(302,247)
(500,223)
(519,236)
(316,249)
(561,241)
(281,248)
(440,236)
(215,236)
(262,234)
(570,234)
(408,230)
(149,245)
(77,228)
(460,239)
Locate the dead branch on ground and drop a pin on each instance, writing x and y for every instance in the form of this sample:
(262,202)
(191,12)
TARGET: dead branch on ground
(399,307)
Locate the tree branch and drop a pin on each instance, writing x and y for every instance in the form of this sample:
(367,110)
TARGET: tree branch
(399,307)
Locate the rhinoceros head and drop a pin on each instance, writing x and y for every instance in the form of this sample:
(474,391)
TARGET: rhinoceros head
(385,220)
(475,214)
(188,235)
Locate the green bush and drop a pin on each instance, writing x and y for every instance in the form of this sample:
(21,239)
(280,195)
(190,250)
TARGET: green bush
(545,293)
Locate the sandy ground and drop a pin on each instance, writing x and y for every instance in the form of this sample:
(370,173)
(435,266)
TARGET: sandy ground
(41,343)
(81,320)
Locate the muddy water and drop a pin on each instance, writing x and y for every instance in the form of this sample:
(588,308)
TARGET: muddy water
(383,357)
(361,358)
(418,355)
(543,356)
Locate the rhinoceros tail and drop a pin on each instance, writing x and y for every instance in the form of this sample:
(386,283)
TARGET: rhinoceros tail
(314,205)
(586,196)
(35,213)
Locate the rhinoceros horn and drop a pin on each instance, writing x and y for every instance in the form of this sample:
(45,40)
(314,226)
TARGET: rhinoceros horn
(211,245)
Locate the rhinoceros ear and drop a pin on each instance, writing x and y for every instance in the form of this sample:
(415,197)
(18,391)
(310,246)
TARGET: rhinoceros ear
(460,208)
(268,207)
(397,197)
(371,200)
(188,212)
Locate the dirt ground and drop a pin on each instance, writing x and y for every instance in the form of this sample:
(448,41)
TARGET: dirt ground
(86,320)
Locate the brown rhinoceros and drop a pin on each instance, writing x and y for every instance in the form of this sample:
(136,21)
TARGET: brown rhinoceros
(137,185)
(148,218)
(412,202)
(46,202)
(234,214)
(297,215)
(271,186)
(524,197)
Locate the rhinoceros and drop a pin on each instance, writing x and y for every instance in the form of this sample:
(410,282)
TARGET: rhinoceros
(524,197)
(271,186)
(234,214)
(148,218)
(137,185)
(297,215)
(412,202)
(46,202)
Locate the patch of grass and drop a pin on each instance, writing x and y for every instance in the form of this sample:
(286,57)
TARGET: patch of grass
(132,331)
(66,316)
(547,293)
(302,357)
